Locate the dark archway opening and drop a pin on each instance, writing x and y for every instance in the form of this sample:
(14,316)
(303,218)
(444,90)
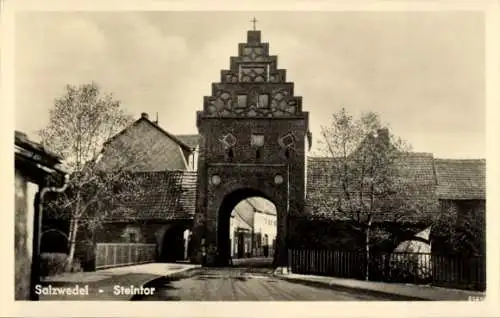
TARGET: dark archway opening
(246,229)
(176,243)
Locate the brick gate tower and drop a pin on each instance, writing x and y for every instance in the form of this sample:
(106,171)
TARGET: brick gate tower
(253,142)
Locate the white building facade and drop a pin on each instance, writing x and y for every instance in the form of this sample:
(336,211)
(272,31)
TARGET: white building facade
(240,235)
(265,228)
(253,228)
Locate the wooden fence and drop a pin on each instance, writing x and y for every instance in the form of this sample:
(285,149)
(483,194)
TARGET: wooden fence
(418,268)
(123,254)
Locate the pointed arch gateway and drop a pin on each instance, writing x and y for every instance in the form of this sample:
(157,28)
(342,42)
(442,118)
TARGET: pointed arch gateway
(228,207)
(253,115)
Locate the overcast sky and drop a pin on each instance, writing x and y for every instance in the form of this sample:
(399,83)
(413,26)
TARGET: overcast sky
(423,72)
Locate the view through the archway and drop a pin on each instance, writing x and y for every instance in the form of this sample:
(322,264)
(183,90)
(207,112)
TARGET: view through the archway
(247,232)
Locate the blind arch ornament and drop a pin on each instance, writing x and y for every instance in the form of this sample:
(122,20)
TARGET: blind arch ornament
(287,141)
(228,140)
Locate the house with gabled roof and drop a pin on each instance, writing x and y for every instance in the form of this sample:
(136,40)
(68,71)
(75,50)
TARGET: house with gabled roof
(151,148)
(437,185)
(162,213)
(164,164)
(461,191)
(37,172)
(323,190)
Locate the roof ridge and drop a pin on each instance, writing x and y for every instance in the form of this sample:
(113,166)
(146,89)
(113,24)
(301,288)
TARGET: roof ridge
(188,135)
(169,135)
(460,160)
(320,158)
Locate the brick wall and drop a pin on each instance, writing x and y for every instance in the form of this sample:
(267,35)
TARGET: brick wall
(245,170)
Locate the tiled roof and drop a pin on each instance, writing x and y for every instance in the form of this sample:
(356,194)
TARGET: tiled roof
(416,170)
(155,125)
(22,140)
(262,205)
(165,195)
(33,154)
(417,166)
(143,146)
(245,212)
(461,179)
(190,140)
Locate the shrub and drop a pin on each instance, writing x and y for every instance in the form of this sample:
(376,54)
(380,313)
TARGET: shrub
(55,263)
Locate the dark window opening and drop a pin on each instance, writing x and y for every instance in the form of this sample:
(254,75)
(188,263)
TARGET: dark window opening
(132,237)
(230,154)
(257,154)
(287,154)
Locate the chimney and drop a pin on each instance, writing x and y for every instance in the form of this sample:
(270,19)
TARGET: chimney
(383,135)
(145,116)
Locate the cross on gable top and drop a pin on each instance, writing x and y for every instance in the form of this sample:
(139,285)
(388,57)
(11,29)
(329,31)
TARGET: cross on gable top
(254,21)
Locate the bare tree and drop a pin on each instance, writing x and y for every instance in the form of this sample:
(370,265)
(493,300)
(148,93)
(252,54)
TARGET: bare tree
(80,122)
(366,176)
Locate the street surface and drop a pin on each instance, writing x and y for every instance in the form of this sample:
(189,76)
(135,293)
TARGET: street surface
(243,283)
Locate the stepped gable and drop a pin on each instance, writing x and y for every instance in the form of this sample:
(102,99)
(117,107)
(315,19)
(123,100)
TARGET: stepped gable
(253,86)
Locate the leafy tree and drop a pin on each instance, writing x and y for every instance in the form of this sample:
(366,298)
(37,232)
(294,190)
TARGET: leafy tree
(460,228)
(367,175)
(80,122)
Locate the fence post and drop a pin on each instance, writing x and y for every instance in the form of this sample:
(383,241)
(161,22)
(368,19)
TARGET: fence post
(329,262)
(114,254)
(289,263)
(106,257)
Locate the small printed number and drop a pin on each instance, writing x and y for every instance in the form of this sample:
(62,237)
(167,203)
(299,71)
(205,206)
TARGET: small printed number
(476,298)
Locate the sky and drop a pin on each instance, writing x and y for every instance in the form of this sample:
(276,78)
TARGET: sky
(423,72)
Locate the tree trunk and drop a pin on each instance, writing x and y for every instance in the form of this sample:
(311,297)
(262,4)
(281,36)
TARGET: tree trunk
(70,233)
(367,248)
(367,253)
(72,243)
